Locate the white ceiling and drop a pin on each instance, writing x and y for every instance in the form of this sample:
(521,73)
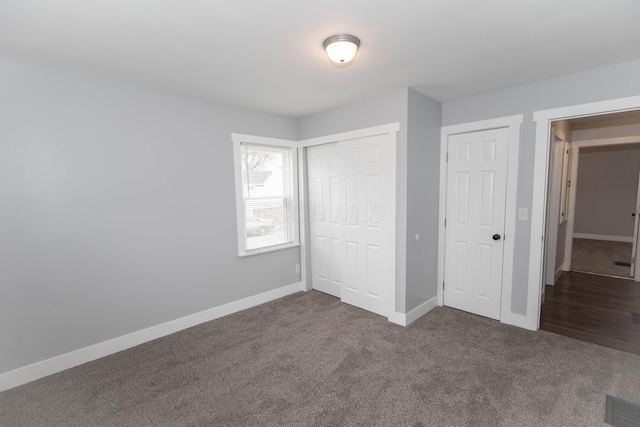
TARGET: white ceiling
(268,55)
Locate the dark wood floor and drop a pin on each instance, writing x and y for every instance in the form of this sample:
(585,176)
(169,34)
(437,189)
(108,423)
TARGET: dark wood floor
(594,308)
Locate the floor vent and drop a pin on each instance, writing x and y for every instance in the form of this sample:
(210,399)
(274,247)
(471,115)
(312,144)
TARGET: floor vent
(620,413)
(622,263)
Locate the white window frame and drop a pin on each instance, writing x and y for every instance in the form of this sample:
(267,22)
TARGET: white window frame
(238,140)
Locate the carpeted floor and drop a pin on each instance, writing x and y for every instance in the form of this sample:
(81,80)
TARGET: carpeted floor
(310,360)
(599,256)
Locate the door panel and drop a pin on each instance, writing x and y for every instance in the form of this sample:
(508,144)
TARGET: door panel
(324,216)
(476,198)
(350,190)
(366,229)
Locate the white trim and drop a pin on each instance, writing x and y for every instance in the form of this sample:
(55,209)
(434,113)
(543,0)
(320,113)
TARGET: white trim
(519,320)
(237,174)
(627,239)
(392,131)
(573,190)
(263,140)
(557,275)
(302,217)
(501,122)
(416,313)
(622,140)
(390,128)
(243,254)
(513,123)
(444,142)
(543,121)
(78,357)
(237,140)
(568,239)
(556,155)
(590,109)
(538,208)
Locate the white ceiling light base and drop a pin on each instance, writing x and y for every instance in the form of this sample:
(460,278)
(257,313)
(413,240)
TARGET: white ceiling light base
(341,48)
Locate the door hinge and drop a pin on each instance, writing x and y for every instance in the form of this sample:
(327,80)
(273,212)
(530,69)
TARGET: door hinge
(445,222)
(633,260)
(442,285)
(447,157)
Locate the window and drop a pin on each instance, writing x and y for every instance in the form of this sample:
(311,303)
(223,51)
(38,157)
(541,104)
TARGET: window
(266,194)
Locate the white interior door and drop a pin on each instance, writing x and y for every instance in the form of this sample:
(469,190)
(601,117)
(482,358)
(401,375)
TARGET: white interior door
(352,227)
(475,218)
(323,162)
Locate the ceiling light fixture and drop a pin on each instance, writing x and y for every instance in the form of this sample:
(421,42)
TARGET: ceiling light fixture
(341,48)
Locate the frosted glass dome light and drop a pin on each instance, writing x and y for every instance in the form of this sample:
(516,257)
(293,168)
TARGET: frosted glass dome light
(341,48)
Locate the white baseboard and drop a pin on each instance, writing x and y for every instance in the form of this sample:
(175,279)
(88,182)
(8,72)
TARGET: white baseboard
(78,357)
(520,321)
(603,237)
(557,275)
(416,313)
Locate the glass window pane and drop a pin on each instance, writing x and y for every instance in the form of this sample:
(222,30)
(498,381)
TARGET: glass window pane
(266,222)
(267,196)
(263,172)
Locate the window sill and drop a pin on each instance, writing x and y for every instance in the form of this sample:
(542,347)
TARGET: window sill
(252,252)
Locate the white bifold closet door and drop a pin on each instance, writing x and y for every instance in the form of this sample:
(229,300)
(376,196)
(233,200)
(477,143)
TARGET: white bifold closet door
(350,222)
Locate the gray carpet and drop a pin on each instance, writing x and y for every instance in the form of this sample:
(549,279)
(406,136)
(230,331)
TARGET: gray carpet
(599,256)
(310,360)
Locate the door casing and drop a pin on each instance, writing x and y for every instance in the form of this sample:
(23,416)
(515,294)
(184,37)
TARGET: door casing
(575,165)
(543,119)
(305,251)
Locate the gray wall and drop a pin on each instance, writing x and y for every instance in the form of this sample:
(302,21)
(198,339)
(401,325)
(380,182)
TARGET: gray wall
(606,190)
(617,81)
(423,186)
(117,211)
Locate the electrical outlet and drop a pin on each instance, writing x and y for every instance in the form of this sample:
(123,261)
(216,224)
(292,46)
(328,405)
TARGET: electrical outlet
(523,214)
(298,268)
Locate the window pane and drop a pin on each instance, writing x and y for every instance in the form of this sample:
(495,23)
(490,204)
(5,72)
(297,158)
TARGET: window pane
(263,172)
(268,196)
(266,222)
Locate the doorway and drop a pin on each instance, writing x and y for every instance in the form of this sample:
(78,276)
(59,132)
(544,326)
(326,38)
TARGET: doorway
(605,216)
(573,296)
(593,225)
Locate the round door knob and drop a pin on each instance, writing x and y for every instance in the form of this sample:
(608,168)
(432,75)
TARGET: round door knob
(496,237)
